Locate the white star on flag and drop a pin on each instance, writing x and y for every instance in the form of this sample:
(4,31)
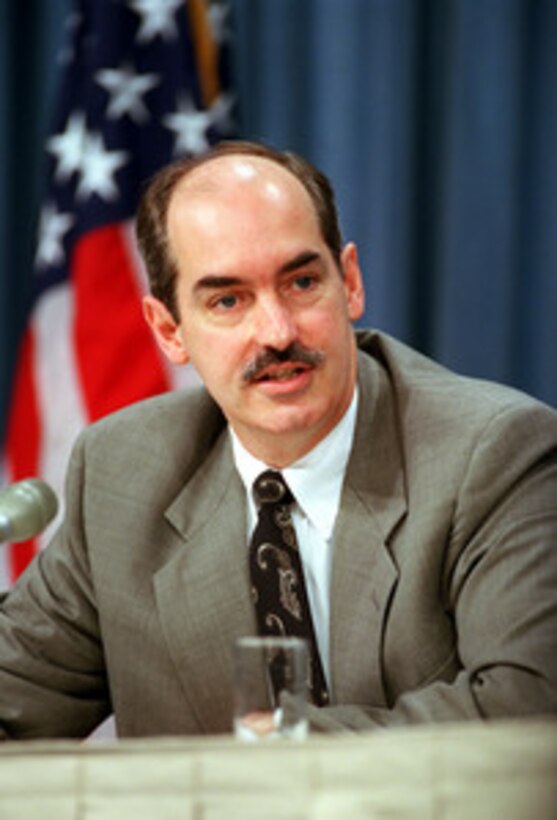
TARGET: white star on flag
(126,89)
(98,167)
(52,228)
(157,18)
(190,127)
(68,146)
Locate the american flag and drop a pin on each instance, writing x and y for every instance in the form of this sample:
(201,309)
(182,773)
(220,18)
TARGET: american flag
(142,82)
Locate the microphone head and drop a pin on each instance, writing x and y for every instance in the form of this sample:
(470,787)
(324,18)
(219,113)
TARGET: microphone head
(26,508)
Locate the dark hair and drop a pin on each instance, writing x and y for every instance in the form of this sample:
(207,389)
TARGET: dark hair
(151,223)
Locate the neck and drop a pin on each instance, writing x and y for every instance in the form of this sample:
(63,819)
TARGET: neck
(278,451)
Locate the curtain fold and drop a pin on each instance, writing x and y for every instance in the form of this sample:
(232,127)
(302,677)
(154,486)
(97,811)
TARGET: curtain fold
(30,34)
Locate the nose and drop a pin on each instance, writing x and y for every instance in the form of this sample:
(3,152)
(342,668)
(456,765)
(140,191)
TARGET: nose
(275,325)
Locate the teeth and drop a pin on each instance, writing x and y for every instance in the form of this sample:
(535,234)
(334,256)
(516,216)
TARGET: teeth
(282,375)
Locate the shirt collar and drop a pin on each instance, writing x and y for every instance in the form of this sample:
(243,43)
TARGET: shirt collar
(315,479)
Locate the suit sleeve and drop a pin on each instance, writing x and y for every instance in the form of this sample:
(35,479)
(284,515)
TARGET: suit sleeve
(499,584)
(52,675)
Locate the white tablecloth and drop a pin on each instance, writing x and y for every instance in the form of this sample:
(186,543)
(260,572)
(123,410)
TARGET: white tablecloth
(497,771)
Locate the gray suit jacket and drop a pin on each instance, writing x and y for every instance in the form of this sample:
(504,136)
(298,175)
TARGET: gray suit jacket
(444,582)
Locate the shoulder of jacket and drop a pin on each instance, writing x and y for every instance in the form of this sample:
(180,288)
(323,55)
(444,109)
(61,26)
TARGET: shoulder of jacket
(175,424)
(426,389)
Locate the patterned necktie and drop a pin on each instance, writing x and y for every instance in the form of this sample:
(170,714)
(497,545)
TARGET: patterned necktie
(278,585)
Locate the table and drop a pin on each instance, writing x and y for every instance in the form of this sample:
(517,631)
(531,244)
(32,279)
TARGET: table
(491,771)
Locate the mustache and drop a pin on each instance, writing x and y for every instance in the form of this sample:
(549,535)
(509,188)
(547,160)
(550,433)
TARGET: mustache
(295,353)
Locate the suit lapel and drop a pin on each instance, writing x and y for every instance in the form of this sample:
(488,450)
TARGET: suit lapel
(364,575)
(203,591)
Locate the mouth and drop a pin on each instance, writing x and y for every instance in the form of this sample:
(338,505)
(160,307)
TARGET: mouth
(283,373)
(280,373)
(284,381)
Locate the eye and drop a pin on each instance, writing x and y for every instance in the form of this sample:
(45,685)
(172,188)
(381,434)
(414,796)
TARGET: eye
(228,301)
(304,282)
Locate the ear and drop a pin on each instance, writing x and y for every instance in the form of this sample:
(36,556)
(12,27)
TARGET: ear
(353,284)
(166,330)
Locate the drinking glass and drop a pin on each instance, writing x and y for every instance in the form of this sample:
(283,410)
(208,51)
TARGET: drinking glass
(270,697)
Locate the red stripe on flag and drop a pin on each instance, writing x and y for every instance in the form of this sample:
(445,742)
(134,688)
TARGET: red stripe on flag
(118,361)
(23,439)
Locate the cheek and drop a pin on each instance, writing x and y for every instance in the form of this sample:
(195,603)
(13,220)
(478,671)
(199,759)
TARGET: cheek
(216,356)
(325,328)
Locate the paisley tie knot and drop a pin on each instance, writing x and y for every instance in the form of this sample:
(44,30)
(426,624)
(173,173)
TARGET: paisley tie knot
(271,488)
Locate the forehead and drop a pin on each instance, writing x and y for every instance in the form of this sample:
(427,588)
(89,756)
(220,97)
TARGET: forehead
(240,180)
(240,216)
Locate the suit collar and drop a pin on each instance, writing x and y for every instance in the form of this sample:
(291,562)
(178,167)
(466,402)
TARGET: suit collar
(364,574)
(199,499)
(376,469)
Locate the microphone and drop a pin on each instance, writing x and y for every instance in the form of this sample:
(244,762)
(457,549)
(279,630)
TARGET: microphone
(26,508)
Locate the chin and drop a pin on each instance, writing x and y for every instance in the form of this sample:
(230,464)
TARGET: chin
(291,421)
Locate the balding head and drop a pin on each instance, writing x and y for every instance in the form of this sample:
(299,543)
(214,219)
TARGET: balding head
(226,168)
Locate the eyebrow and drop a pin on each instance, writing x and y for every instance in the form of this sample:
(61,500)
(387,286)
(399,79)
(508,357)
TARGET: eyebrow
(215,281)
(301,260)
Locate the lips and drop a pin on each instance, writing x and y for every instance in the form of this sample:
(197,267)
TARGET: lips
(284,381)
(277,366)
(282,374)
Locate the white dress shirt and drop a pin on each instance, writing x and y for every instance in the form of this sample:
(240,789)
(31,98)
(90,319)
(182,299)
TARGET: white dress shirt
(316,482)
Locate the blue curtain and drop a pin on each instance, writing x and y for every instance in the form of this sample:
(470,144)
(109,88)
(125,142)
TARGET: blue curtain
(435,119)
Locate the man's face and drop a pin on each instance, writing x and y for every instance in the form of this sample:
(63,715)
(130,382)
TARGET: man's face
(265,316)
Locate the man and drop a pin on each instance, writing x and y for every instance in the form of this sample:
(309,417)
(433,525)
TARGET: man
(424,508)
